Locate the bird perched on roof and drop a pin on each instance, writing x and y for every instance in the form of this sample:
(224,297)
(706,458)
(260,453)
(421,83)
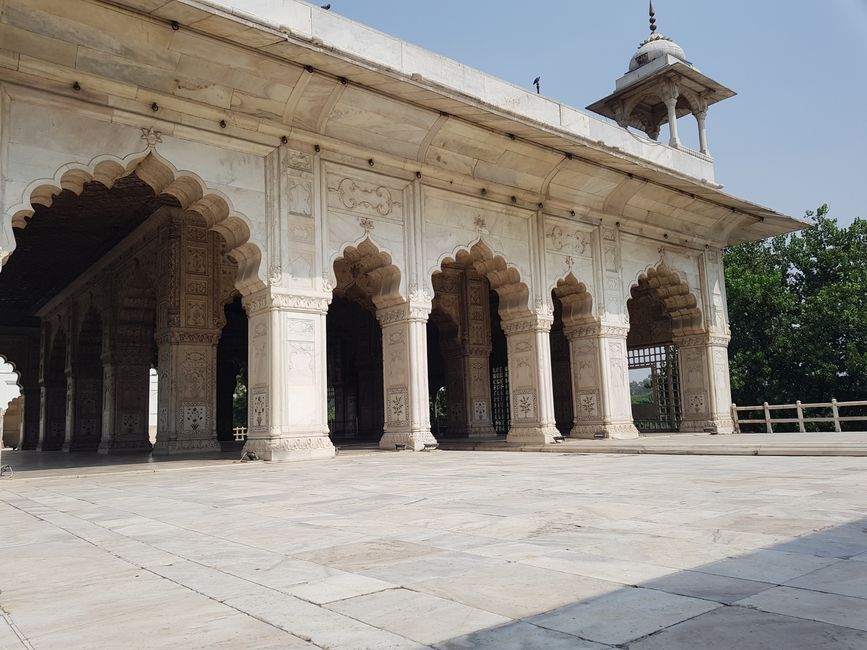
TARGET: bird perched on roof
(326,7)
(537,82)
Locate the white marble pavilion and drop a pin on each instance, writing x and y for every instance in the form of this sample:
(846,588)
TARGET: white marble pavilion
(370,241)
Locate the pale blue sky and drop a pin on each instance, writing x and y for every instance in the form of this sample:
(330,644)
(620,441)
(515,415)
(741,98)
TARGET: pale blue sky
(793,138)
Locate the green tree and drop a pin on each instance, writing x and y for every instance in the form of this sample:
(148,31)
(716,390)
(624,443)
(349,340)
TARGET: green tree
(798,311)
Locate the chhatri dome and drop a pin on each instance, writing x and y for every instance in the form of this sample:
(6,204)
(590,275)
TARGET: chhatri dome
(655,46)
(660,87)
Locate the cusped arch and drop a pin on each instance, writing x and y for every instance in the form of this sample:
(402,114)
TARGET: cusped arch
(13,368)
(673,291)
(576,300)
(504,278)
(187,189)
(364,272)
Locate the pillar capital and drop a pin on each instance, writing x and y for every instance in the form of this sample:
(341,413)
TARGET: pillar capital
(588,330)
(271,299)
(532,323)
(702,339)
(417,311)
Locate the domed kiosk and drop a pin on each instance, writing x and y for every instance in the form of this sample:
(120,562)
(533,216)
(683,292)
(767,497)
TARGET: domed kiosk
(661,86)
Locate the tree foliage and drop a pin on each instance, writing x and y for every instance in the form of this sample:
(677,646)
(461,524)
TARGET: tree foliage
(798,312)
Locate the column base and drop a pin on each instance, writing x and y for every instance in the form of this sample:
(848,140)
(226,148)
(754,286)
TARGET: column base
(540,435)
(622,431)
(292,448)
(409,440)
(186,446)
(719,426)
(124,446)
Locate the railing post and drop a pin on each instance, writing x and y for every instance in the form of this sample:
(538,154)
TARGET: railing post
(836,413)
(737,424)
(768,426)
(801,427)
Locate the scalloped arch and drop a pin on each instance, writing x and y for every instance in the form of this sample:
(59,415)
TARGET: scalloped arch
(11,363)
(576,300)
(674,291)
(365,267)
(504,278)
(187,188)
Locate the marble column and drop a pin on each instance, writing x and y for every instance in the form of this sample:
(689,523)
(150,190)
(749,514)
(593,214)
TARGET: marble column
(530,390)
(704,381)
(187,402)
(701,119)
(32,402)
(125,397)
(600,381)
(69,423)
(405,376)
(671,93)
(288,393)
(469,391)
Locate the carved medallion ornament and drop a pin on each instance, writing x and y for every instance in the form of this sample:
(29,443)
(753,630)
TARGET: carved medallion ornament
(151,136)
(299,161)
(354,195)
(567,240)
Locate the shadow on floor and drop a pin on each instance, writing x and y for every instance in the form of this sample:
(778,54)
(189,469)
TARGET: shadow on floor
(803,594)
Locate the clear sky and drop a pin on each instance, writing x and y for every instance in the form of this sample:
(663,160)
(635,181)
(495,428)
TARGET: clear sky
(795,136)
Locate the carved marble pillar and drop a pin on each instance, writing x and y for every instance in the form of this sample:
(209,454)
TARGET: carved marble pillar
(52,384)
(704,381)
(288,393)
(600,381)
(405,380)
(32,403)
(530,390)
(69,423)
(125,396)
(671,93)
(468,391)
(187,401)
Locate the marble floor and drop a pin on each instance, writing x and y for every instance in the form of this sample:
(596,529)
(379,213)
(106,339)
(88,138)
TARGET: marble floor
(448,549)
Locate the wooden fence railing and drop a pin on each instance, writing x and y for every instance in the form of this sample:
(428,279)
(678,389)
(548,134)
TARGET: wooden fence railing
(800,420)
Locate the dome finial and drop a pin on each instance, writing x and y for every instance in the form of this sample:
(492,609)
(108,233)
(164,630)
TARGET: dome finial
(652,19)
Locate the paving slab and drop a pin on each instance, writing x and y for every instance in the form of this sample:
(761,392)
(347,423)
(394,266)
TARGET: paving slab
(812,605)
(736,628)
(624,615)
(720,589)
(846,578)
(518,636)
(421,617)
